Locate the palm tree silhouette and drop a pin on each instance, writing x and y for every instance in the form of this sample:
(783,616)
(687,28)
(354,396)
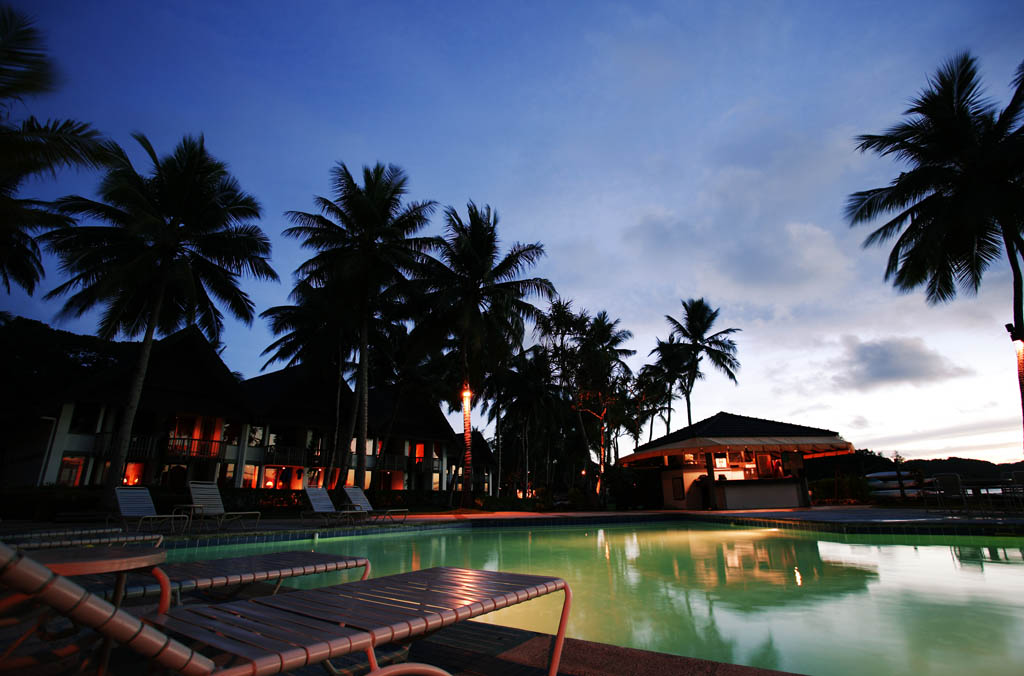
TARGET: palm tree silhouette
(316,329)
(477,299)
(364,240)
(174,245)
(960,203)
(696,343)
(31,149)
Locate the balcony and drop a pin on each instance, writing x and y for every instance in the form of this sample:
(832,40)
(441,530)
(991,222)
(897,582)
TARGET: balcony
(294,456)
(143,448)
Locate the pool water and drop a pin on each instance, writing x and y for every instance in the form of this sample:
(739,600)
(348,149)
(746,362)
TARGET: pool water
(818,603)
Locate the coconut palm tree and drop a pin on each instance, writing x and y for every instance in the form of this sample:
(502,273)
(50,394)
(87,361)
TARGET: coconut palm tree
(477,299)
(671,368)
(317,330)
(364,240)
(959,203)
(697,342)
(598,368)
(168,247)
(31,149)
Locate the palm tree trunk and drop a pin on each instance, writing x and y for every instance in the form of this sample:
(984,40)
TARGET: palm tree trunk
(689,419)
(123,438)
(497,443)
(364,405)
(336,439)
(1011,241)
(353,415)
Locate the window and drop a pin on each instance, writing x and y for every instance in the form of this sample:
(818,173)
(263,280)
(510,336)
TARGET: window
(71,471)
(721,461)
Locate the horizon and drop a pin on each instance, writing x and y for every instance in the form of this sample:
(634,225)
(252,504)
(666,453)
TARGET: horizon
(661,152)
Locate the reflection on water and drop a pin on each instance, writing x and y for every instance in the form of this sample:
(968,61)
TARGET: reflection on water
(979,556)
(759,597)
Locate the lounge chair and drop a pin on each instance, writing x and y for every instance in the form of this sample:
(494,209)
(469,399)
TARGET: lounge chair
(135,504)
(324,509)
(221,573)
(80,541)
(206,496)
(275,634)
(356,496)
(60,533)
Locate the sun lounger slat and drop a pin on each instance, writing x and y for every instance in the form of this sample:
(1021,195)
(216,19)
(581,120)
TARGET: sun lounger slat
(205,575)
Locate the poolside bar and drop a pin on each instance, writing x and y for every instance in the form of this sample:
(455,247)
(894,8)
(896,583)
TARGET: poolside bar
(731,461)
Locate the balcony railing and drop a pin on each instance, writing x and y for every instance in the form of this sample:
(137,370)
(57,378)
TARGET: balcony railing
(292,455)
(144,448)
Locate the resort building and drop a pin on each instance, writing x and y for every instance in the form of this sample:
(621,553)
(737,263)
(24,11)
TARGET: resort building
(198,420)
(731,461)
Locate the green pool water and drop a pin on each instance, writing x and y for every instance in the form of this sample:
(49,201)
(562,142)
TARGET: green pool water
(817,604)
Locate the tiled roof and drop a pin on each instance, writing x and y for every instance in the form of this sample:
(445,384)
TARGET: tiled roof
(724,425)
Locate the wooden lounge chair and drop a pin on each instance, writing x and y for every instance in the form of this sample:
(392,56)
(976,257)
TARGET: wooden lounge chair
(281,633)
(222,573)
(356,496)
(324,509)
(206,496)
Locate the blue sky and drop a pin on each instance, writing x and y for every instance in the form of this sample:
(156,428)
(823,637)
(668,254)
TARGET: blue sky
(659,151)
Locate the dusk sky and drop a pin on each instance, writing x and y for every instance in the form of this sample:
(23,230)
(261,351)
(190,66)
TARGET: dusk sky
(659,151)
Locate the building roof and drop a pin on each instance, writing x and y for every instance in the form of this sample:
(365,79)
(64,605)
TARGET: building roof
(306,395)
(728,431)
(50,367)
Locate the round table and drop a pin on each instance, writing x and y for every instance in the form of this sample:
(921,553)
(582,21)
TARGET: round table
(72,561)
(92,560)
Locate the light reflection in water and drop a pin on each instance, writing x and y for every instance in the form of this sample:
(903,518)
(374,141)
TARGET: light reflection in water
(761,597)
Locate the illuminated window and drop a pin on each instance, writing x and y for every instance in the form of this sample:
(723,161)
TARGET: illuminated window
(721,461)
(133,473)
(70,471)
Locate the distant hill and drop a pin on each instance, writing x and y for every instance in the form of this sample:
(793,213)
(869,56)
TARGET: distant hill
(867,462)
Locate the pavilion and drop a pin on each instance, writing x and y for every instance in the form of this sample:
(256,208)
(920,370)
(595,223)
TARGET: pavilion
(754,462)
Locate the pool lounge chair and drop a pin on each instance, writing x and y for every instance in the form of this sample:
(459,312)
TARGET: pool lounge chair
(80,541)
(206,496)
(222,573)
(356,496)
(60,533)
(135,504)
(281,633)
(324,509)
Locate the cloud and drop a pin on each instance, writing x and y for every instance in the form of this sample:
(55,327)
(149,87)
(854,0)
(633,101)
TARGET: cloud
(866,365)
(975,428)
(859,423)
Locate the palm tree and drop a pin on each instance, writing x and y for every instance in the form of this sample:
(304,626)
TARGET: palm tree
(960,202)
(316,330)
(364,241)
(672,368)
(174,245)
(477,299)
(31,149)
(693,334)
(598,370)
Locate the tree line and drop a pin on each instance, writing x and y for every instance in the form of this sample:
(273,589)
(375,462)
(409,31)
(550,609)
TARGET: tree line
(377,302)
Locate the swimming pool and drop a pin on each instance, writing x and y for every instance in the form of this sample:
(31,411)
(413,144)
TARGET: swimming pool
(811,603)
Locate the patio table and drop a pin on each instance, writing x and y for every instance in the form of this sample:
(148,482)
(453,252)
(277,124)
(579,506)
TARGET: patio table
(119,560)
